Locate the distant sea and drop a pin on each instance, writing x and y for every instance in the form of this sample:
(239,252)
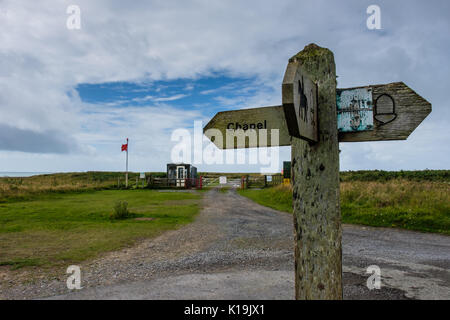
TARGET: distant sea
(21,174)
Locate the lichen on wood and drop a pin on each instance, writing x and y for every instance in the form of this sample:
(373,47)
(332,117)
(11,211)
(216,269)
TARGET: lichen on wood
(315,175)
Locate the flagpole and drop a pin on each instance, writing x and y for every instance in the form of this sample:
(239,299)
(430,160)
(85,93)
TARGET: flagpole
(126,174)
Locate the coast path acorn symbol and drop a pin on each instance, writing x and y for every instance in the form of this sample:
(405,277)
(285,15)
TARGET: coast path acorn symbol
(384,109)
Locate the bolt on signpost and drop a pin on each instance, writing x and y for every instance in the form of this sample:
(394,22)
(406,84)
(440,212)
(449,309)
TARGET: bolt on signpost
(313,119)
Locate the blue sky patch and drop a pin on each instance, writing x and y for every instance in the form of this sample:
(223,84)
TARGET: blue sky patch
(211,94)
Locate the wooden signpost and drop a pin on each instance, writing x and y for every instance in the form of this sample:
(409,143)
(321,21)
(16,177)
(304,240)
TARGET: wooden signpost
(373,113)
(314,118)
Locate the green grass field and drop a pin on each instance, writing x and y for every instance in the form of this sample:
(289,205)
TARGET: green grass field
(413,205)
(57,229)
(278,198)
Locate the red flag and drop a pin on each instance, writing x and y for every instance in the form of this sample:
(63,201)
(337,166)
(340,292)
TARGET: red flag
(125,146)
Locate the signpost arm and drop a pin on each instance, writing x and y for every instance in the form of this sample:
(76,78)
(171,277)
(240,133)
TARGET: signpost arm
(315,174)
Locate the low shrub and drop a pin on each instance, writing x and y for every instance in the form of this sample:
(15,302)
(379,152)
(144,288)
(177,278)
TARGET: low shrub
(120,211)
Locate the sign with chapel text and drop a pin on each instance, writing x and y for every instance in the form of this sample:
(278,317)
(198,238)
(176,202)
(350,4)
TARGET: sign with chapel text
(249,128)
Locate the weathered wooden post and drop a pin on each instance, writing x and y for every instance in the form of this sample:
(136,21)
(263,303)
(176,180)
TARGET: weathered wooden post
(315,179)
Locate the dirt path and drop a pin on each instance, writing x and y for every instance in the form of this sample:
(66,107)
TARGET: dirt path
(237,249)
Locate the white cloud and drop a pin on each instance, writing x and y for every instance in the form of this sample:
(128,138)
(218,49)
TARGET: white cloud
(172,98)
(143,99)
(41,61)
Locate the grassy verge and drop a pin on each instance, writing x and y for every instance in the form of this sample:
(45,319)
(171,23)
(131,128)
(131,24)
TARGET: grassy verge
(68,228)
(278,198)
(421,206)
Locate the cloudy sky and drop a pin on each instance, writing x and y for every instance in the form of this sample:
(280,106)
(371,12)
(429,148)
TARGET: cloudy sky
(141,69)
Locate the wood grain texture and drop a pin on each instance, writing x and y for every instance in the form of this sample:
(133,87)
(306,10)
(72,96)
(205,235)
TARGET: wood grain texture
(411,110)
(315,176)
(271,117)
